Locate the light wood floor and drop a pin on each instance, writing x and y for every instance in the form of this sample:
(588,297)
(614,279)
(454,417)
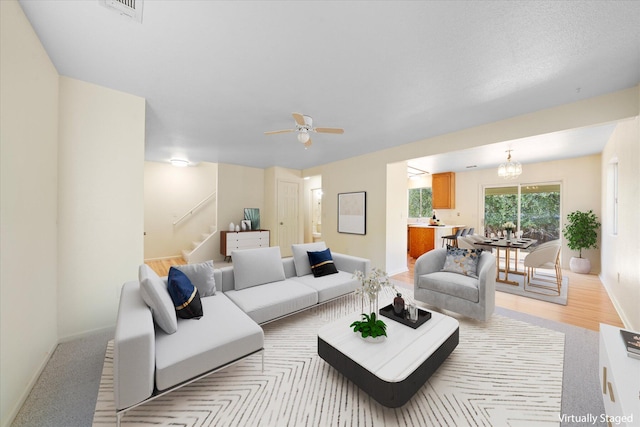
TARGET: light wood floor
(588,303)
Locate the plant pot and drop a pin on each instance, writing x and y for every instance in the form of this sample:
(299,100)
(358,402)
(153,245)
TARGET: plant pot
(580,265)
(375,340)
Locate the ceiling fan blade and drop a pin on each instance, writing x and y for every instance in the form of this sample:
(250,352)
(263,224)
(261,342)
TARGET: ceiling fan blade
(329,130)
(299,118)
(308,144)
(273,132)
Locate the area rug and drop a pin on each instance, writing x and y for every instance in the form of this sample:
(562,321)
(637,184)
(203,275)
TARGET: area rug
(540,293)
(504,372)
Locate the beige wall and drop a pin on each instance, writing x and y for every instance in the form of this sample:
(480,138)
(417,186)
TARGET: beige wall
(28,206)
(100,202)
(620,268)
(169,193)
(239,187)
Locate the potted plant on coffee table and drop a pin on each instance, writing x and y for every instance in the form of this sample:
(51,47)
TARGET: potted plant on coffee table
(581,233)
(371,328)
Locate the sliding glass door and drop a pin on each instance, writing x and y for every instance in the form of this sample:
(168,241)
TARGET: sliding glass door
(534,208)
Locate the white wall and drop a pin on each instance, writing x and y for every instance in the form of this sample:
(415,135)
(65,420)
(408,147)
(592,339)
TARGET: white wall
(397,212)
(28,206)
(620,267)
(100,202)
(169,193)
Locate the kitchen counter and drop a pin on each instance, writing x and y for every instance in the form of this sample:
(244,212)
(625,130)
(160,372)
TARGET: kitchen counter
(424,237)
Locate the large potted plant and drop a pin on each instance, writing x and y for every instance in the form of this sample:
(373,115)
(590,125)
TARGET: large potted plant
(581,232)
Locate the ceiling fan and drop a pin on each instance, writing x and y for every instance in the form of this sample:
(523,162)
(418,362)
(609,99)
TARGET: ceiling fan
(304,125)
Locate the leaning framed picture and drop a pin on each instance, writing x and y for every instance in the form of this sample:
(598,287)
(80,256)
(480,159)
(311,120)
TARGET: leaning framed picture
(352,212)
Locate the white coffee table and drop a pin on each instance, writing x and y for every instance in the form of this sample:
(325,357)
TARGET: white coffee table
(392,371)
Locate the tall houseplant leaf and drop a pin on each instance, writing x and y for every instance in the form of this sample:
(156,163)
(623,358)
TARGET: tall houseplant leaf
(581,231)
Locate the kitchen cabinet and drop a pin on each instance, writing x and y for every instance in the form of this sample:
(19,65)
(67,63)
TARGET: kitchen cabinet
(421,240)
(444,190)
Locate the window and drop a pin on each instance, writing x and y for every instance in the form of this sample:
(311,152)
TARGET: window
(534,208)
(420,202)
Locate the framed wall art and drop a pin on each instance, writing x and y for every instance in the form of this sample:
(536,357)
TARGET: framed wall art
(352,212)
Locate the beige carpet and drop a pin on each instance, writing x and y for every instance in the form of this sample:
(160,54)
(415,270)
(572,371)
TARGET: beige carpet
(504,372)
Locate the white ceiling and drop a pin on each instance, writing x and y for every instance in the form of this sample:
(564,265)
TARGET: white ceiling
(217,74)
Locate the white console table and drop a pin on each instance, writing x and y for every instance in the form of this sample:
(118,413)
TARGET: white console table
(619,379)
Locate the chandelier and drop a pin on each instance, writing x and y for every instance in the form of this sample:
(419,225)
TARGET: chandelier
(510,169)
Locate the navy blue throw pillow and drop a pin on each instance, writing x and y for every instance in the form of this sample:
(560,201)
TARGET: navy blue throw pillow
(321,263)
(184,295)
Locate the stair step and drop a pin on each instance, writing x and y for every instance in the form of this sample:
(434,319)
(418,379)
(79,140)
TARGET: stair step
(185,255)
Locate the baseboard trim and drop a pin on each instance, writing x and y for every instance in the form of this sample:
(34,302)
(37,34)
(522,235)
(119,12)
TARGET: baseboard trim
(85,334)
(616,304)
(32,382)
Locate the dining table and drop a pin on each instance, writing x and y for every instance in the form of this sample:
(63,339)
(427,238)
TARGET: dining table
(507,245)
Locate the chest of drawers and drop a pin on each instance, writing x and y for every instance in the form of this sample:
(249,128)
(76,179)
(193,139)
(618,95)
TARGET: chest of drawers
(232,240)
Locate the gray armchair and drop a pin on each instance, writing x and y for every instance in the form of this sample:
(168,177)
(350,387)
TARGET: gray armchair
(469,296)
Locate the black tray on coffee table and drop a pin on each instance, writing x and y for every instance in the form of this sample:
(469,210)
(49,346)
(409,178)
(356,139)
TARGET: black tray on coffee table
(423,316)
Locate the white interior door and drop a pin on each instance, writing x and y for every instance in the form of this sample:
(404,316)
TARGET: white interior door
(288,216)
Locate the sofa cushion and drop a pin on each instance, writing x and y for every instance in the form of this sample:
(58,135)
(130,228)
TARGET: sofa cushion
(185,296)
(201,275)
(155,294)
(454,284)
(209,343)
(300,257)
(252,267)
(322,263)
(462,261)
(331,286)
(267,302)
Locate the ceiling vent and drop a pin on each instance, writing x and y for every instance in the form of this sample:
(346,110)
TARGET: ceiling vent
(132,9)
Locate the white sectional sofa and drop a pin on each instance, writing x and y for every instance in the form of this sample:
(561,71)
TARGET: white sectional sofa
(260,287)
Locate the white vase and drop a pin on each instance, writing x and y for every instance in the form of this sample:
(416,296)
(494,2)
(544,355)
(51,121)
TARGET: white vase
(237,228)
(580,265)
(232,227)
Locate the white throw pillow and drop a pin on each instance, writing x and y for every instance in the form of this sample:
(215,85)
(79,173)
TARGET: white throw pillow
(300,257)
(201,275)
(156,295)
(252,267)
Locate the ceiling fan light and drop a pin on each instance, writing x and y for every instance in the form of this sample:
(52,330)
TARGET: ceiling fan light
(303,136)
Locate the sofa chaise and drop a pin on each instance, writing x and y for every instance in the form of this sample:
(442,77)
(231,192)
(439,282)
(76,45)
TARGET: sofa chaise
(156,352)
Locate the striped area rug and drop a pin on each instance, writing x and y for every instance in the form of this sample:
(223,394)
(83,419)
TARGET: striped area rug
(503,373)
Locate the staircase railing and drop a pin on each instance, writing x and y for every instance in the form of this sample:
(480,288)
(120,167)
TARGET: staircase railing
(190,211)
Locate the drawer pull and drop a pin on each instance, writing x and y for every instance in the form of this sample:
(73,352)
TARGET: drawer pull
(604,380)
(613,399)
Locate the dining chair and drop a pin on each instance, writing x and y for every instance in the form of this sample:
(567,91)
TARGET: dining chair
(545,256)
(464,232)
(470,233)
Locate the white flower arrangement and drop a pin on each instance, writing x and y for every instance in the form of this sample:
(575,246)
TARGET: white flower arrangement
(509,226)
(371,285)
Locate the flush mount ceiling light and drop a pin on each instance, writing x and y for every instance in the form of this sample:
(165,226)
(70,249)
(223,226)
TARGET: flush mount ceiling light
(510,169)
(180,163)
